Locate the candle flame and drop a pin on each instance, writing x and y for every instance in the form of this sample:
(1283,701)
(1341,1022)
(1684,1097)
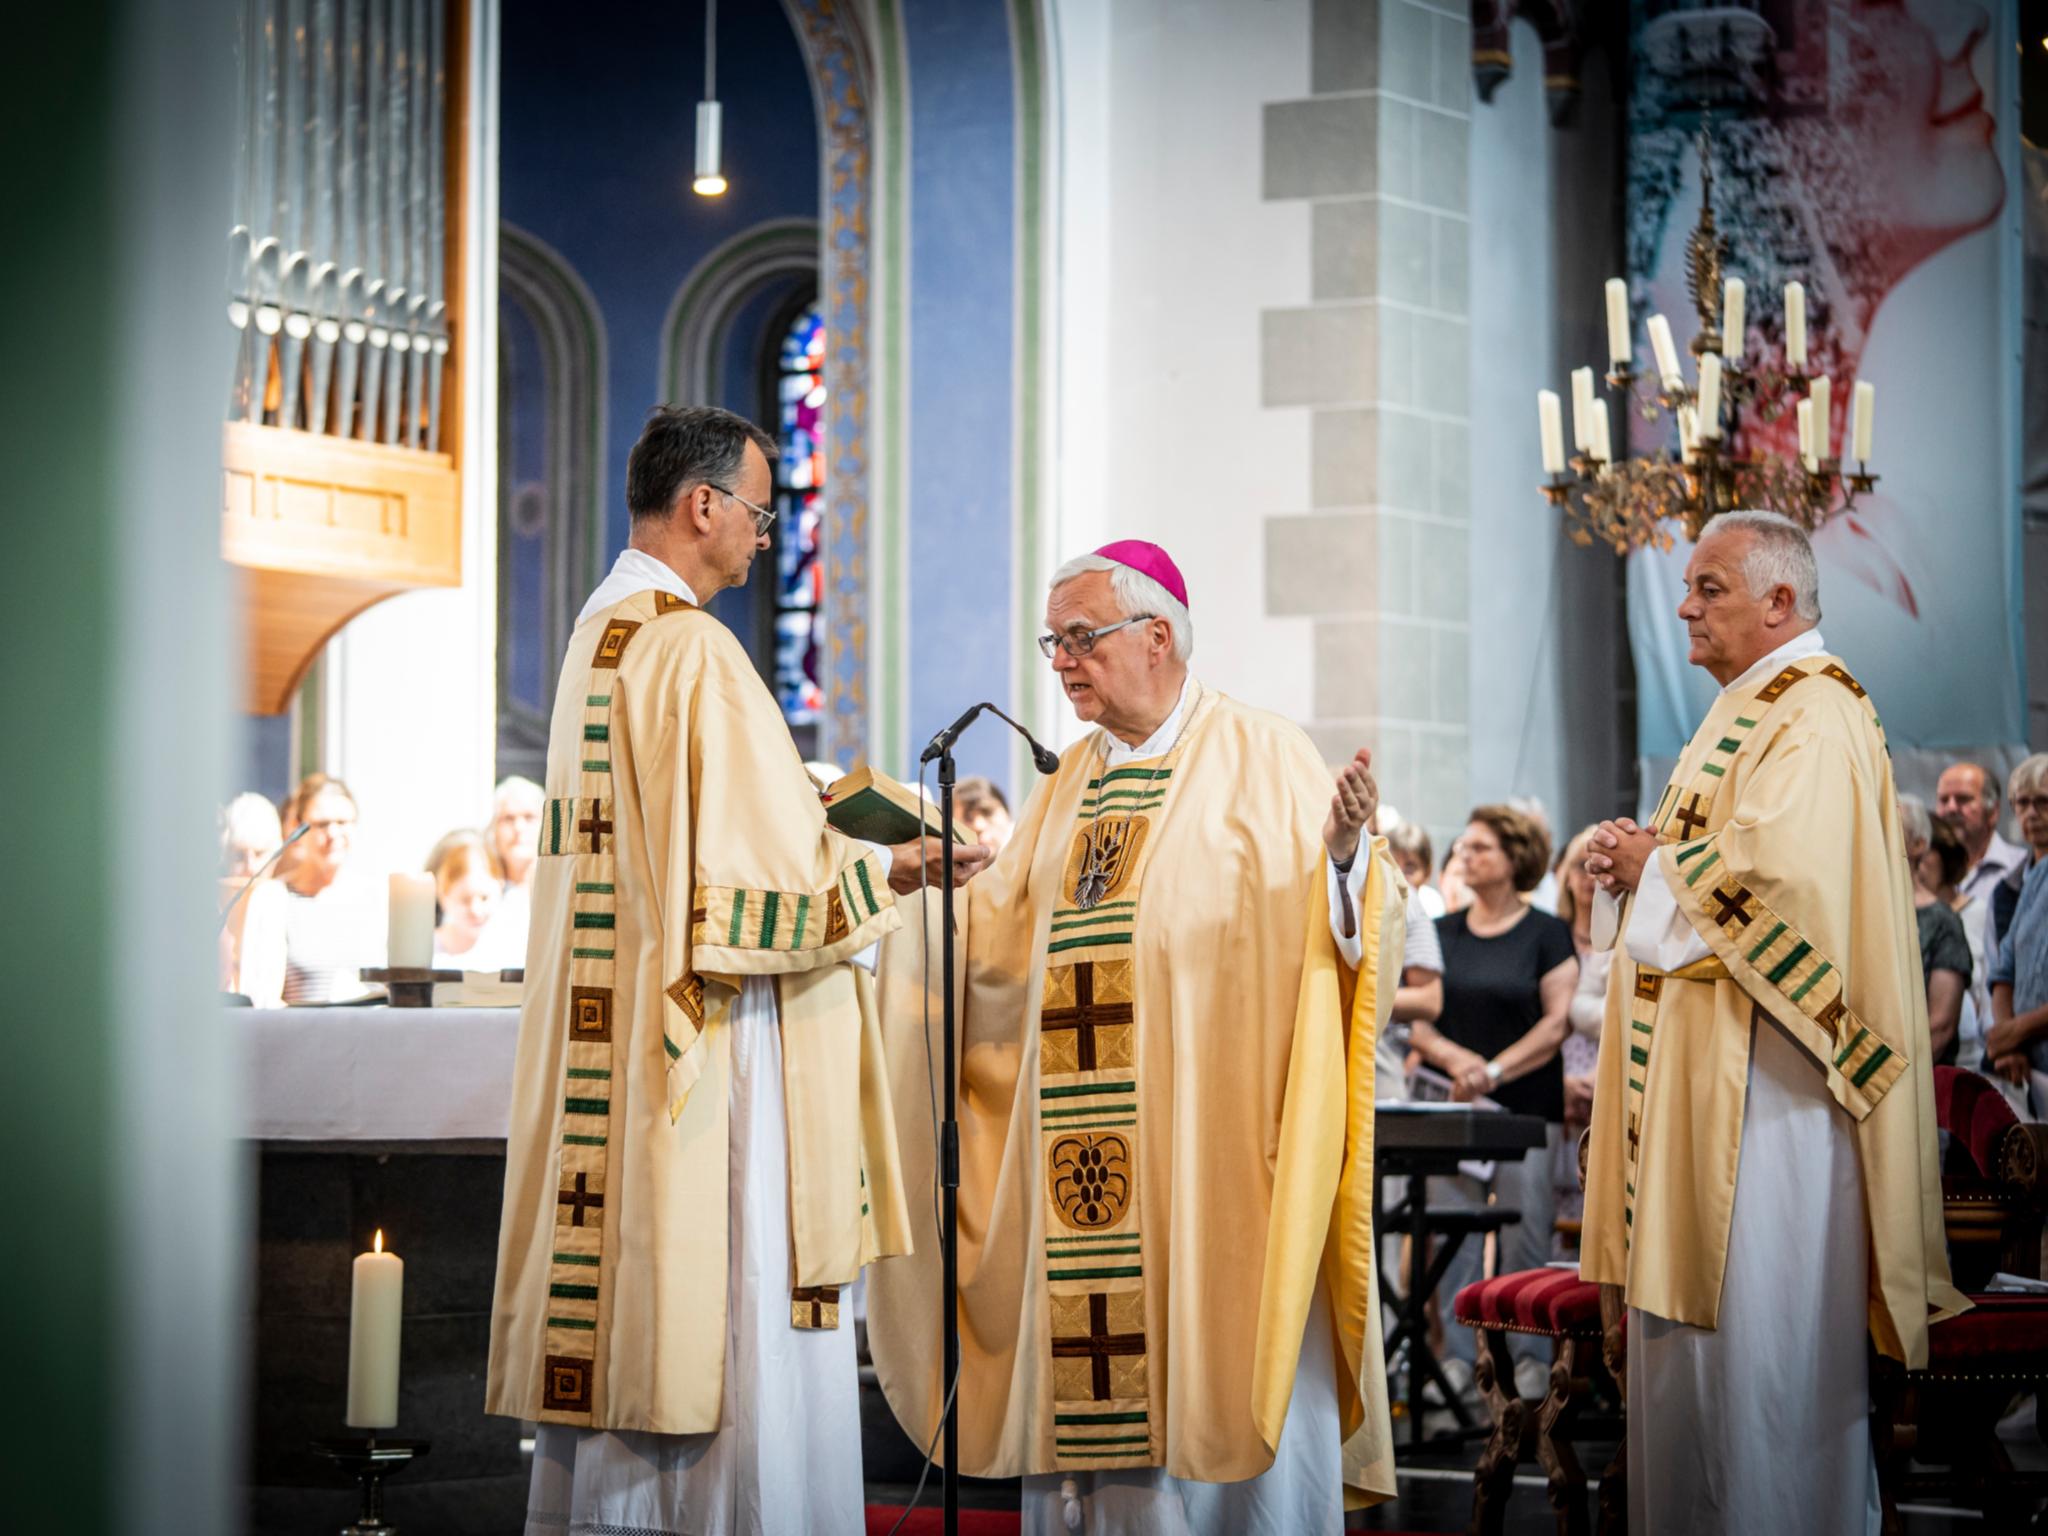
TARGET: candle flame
(379,1248)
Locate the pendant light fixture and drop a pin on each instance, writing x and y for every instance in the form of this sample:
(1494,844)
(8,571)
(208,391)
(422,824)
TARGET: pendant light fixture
(710,182)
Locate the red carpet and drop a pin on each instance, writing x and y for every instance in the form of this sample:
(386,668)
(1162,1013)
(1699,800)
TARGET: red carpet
(926,1520)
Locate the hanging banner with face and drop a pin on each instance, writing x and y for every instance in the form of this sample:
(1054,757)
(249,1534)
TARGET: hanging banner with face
(1870,152)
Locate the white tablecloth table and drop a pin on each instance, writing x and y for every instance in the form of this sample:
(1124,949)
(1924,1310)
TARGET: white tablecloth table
(378,1074)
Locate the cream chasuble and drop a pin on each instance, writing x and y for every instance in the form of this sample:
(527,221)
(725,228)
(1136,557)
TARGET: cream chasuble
(684,850)
(1779,839)
(1166,1103)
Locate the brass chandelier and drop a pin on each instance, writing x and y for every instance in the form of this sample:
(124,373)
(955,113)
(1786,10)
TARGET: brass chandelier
(1629,502)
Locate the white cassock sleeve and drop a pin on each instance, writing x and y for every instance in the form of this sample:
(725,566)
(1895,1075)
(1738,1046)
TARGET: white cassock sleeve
(1659,935)
(1345,897)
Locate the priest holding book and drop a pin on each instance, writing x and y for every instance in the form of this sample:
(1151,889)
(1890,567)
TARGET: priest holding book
(1172,982)
(702,1147)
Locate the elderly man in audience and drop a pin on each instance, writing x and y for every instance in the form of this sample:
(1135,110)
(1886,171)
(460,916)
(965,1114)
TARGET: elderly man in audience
(1944,945)
(250,835)
(1966,797)
(2017,1043)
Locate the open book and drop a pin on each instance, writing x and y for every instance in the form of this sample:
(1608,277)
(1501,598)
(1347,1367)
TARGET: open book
(867,803)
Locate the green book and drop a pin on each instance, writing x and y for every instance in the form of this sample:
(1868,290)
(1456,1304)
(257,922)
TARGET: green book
(869,804)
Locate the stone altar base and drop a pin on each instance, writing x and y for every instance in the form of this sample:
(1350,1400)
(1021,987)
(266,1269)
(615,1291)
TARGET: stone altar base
(317,1206)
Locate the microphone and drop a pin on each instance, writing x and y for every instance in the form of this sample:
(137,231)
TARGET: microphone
(1047,760)
(251,884)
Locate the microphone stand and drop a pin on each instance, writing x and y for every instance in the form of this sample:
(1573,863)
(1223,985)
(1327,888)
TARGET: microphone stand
(949,1128)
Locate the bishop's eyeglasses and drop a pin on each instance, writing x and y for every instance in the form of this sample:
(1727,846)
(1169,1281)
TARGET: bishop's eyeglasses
(1079,642)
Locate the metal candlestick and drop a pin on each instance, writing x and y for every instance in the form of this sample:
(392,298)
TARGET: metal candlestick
(369,1461)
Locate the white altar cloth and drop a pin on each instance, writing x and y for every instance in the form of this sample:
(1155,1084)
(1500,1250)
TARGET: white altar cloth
(377,1074)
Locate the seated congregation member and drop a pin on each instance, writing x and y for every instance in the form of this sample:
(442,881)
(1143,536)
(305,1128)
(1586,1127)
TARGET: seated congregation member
(2016,1045)
(467,894)
(1408,845)
(1581,1051)
(331,920)
(515,854)
(1763,1181)
(1509,971)
(1174,977)
(980,807)
(250,835)
(1944,946)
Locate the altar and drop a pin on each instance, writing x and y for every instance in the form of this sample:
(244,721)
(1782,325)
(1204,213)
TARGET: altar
(360,1119)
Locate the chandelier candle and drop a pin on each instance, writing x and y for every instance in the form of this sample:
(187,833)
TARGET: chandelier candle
(1582,409)
(1619,352)
(1795,327)
(1551,423)
(1710,396)
(1821,394)
(1666,353)
(1865,409)
(1734,293)
(1806,434)
(1603,449)
(373,1322)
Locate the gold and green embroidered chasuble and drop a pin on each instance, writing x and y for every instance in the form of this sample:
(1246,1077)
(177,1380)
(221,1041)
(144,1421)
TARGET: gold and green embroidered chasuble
(683,850)
(1779,836)
(1166,1122)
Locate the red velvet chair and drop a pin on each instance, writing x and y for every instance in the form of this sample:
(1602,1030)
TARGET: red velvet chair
(1994,1187)
(1588,1330)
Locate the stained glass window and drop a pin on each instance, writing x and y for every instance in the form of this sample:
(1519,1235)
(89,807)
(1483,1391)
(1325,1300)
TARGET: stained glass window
(799,531)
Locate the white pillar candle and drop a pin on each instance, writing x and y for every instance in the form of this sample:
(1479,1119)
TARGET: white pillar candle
(1806,433)
(1550,421)
(1734,295)
(1582,409)
(1710,396)
(1795,327)
(375,1306)
(1603,449)
(1866,409)
(409,938)
(1823,420)
(1618,349)
(1666,353)
(1688,439)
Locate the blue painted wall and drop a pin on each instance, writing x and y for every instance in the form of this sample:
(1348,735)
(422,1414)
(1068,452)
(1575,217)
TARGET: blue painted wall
(599,127)
(961,301)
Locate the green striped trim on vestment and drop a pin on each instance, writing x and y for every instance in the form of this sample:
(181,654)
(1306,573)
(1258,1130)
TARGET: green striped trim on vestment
(596,765)
(1087,1240)
(1089,941)
(583,1141)
(586,1106)
(590,1259)
(1850,1049)
(596,731)
(592,954)
(1638,1024)
(1783,968)
(596,920)
(803,913)
(1162,774)
(771,903)
(1717,771)
(1078,1090)
(1129,1442)
(574,1292)
(598,700)
(1114,1272)
(1692,876)
(596,1072)
(1693,850)
(1767,941)
(1101,1418)
(867,888)
(1640,1055)
(1806,986)
(1076,1120)
(1129,1248)
(1067,924)
(1878,1058)
(587,1324)
(594,888)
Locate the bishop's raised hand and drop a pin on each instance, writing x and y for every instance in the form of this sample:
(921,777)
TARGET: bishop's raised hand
(1351,807)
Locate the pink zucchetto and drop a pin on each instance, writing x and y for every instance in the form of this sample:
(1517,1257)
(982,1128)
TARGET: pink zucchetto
(1148,560)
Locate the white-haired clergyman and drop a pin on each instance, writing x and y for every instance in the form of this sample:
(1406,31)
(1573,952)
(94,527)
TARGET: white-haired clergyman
(1762,1180)
(1165,1277)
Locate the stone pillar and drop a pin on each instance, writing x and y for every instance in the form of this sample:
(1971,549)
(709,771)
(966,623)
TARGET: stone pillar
(1379,561)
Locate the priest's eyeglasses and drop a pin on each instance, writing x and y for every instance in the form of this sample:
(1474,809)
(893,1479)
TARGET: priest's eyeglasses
(763,516)
(1079,642)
